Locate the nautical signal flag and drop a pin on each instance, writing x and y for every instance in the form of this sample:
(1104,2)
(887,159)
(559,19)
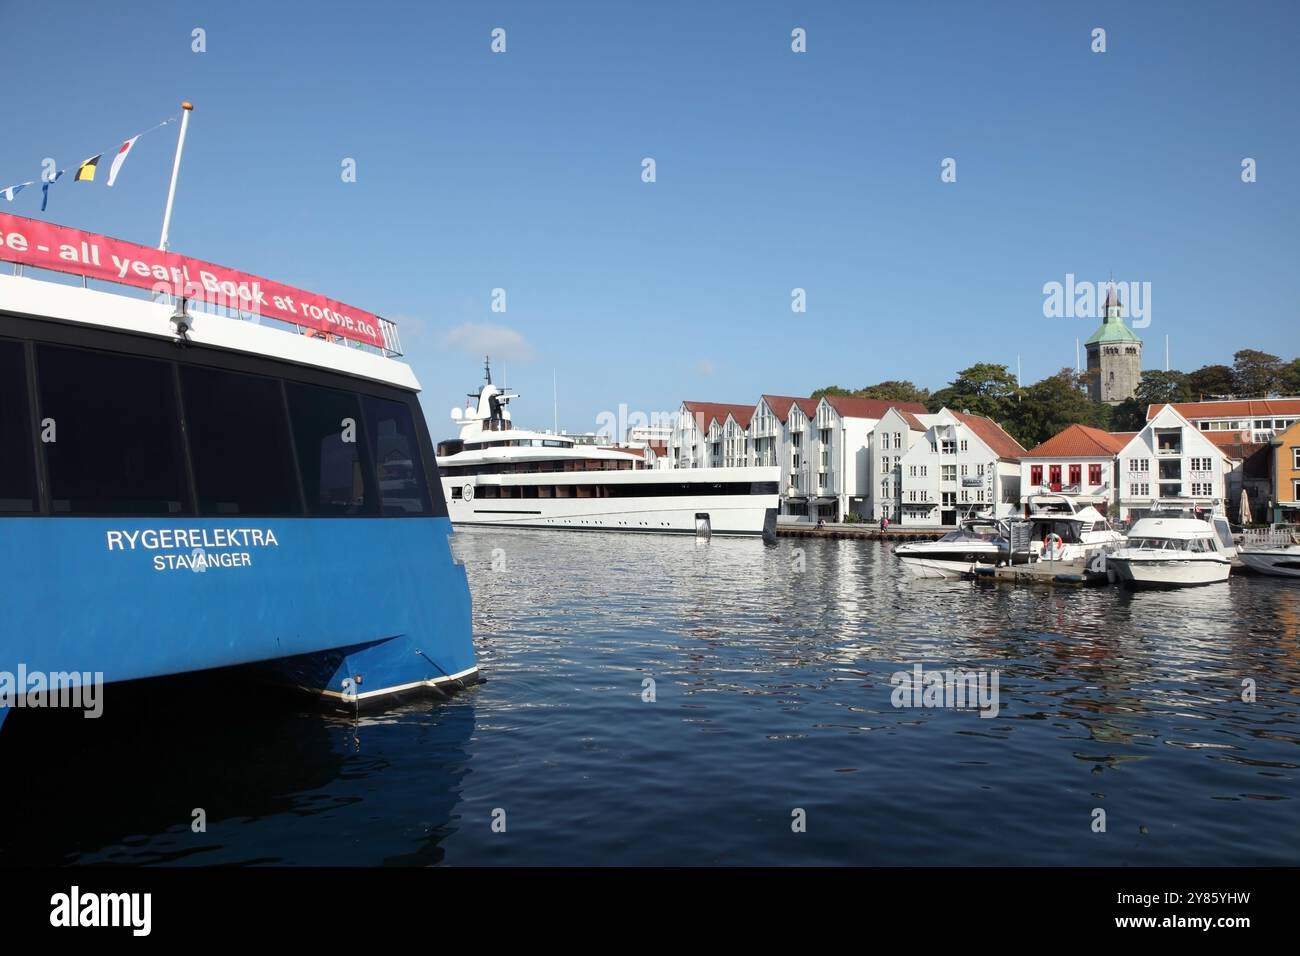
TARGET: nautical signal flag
(11,191)
(86,171)
(45,187)
(119,159)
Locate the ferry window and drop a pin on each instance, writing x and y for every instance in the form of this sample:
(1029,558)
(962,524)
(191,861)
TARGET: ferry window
(17,464)
(239,443)
(396,454)
(327,431)
(117,441)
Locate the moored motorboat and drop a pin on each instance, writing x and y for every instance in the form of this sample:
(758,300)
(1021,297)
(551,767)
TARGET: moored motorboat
(980,542)
(1059,531)
(1281,559)
(1170,551)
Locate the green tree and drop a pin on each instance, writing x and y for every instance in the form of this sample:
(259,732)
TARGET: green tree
(1160,388)
(1210,380)
(983,389)
(895,391)
(1291,377)
(831,390)
(1129,415)
(1048,406)
(1256,374)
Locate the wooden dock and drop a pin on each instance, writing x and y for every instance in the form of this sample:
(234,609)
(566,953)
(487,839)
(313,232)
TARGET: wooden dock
(864,532)
(1067,574)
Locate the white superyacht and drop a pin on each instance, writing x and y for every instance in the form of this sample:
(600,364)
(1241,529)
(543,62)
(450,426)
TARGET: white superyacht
(499,475)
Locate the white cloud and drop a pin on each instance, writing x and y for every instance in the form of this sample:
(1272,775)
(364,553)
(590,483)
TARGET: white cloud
(495,340)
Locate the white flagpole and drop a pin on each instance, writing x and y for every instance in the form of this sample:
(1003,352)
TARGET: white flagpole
(186,107)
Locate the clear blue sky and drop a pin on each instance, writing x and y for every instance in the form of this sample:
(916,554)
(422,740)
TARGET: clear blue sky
(775,170)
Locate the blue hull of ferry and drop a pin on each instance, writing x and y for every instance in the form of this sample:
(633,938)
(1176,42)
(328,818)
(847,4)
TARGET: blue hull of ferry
(355,609)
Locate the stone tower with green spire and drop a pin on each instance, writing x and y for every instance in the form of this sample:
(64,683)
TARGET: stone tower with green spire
(1114,356)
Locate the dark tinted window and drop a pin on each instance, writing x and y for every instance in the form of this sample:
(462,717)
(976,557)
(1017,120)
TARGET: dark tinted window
(396,454)
(117,443)
(17,468)
(327,429)
(239,443)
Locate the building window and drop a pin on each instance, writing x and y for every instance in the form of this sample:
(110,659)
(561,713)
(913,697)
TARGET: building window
(1140,490)
(1076,474)
(963,471)
(948,446)
(118,447)
(336,473)
(239,443)
(17,463)
(949,473)
(1202,489)
(1054,476)
(1139,465)
(1295,458)
(964,445)
(1094,475)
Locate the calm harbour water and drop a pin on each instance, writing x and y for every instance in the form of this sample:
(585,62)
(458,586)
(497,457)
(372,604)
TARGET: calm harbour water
(773,693)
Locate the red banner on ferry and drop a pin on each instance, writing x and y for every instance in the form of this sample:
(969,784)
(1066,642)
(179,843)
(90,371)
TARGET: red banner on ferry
(64,249)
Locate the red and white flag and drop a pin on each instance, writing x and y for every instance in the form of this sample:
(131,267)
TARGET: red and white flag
(120,158)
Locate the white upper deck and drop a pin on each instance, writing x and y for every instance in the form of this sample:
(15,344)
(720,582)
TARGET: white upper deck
(58,302)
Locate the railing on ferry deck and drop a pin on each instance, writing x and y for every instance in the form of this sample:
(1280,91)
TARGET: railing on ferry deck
(392,340)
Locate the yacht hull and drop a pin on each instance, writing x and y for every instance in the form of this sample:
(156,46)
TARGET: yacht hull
(1164,573)
(743,515)
(940,567)
(1282,562)
(708,501)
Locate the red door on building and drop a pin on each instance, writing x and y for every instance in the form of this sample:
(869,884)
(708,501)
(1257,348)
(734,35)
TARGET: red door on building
(1054,477)
(1076,475)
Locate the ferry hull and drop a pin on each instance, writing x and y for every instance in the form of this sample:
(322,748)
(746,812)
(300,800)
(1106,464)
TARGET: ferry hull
(352,609)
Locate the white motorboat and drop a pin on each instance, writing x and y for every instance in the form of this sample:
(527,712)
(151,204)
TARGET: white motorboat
(1279,556)
(1059,531)
(496,474)
(1171,551)
(980,541)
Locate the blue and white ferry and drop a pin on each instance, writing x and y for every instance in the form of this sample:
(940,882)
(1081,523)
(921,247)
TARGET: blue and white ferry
(183,490)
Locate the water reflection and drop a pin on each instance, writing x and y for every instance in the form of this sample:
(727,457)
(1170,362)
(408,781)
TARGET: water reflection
(275,784)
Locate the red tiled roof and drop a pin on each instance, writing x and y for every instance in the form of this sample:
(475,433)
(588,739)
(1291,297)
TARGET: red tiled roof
(1226,441)
(1231,408)
(781,405)
(706,412)
(851,407)
(991,433)
(912,421)
(1080,441)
